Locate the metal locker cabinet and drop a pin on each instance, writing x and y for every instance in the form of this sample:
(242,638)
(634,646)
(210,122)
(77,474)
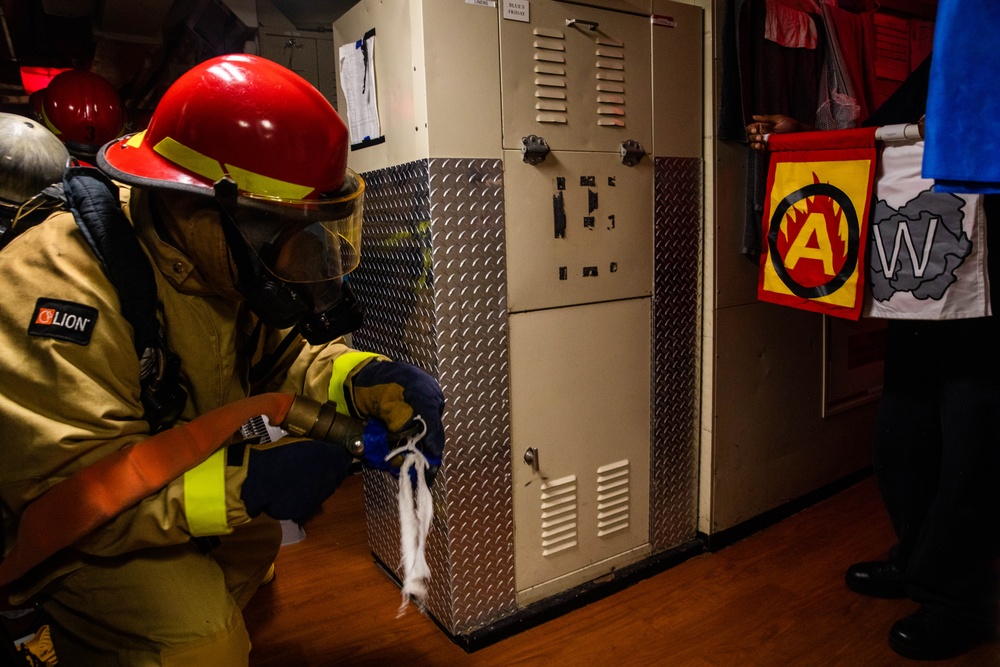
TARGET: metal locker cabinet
(579,342)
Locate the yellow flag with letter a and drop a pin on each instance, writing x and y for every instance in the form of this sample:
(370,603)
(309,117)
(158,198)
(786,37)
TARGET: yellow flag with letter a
(815,224)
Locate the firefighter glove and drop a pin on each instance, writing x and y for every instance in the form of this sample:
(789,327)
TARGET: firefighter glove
(291,481)
(396,393)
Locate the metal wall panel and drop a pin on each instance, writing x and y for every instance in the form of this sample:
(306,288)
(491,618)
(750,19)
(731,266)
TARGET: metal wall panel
(580,380)
(581,87)
(579,230)
(678,67)
(433,268)
(676,345)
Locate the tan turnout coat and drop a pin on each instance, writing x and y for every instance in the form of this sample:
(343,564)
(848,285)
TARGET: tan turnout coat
(64,405)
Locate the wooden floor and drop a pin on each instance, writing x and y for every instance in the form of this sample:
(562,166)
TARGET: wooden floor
(775,598)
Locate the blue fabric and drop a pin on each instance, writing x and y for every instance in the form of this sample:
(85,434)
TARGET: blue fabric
(377,447)
(962,134)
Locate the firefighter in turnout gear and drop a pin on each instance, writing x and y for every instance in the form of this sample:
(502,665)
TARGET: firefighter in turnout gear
(248,218)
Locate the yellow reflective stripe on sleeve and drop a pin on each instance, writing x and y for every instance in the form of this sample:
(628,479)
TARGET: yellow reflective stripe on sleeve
(342,367)
(205,496)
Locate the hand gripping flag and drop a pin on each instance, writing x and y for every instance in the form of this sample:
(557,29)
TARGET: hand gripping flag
(815,225)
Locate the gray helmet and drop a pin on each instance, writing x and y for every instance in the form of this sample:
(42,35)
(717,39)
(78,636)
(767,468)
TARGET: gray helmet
(31,158)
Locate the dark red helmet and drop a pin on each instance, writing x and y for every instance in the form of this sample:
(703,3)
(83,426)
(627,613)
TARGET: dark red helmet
(83,110)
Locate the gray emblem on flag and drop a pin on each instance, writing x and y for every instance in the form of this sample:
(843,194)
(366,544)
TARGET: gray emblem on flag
(918,247)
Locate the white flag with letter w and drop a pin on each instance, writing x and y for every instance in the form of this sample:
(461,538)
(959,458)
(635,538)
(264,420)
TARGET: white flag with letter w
(927,250)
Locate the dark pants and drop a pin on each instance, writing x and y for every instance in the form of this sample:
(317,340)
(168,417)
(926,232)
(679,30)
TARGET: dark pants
(937,460)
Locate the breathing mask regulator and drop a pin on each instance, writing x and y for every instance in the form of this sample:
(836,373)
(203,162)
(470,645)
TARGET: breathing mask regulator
(292,257)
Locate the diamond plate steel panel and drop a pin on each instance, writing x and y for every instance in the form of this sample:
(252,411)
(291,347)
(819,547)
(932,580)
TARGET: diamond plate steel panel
(434,280)
(433,277)
(676,345)
(395,279)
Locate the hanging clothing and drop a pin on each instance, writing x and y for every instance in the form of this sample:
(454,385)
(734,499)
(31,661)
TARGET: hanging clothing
(847,93)
(853,36)
(761,76)
(788,26)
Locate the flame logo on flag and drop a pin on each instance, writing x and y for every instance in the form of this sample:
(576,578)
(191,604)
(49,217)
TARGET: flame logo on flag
(814,249)
(813,242)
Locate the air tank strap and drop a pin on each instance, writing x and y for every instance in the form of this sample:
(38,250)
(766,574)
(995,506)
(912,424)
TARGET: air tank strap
(93,199)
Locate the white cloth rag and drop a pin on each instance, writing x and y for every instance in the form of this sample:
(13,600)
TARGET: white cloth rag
(414,521)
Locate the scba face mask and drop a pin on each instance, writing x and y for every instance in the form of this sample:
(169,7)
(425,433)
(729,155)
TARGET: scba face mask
(293,257)
(323,311)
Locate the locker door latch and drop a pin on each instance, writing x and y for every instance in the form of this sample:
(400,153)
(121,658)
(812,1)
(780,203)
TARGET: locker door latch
(534,149)
(632,152)
(591,25)
(531,458)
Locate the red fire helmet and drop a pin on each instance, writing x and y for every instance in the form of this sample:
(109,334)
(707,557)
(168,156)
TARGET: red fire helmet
(83,110)
(241,116)
(249,120)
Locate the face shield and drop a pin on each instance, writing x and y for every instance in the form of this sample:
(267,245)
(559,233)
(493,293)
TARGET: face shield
(305,241)
(297,254)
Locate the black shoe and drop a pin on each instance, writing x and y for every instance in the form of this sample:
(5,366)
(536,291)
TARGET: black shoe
(930,636)
(877,579)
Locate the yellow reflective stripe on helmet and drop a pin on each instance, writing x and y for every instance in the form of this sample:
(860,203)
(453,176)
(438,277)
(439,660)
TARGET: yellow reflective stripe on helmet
(265,185)
(136,139)
(48,123)
(190,159)
(210,169)
(342,367)
(205,496)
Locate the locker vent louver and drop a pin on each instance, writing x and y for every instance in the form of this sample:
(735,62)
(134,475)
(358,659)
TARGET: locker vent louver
(612,498)
(610,82)
(550,76)
(559,515)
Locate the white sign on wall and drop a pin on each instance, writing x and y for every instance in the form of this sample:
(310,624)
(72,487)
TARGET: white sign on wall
(517,10)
